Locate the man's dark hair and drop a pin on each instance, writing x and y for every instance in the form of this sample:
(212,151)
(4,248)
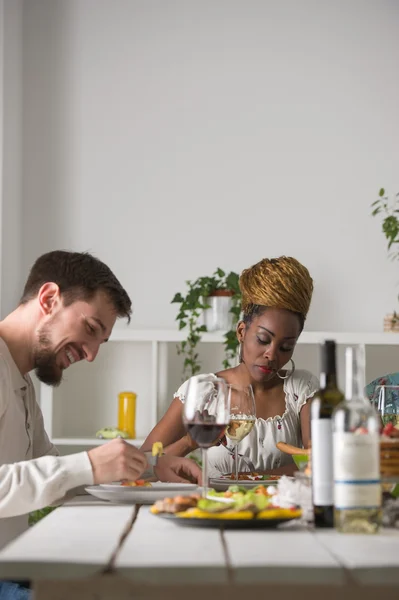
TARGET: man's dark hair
(79,275)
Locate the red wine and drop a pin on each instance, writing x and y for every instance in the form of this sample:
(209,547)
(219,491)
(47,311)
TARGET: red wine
(205,434)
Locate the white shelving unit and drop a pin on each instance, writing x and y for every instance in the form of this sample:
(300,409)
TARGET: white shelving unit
(307,337)
(76,441)
(382,356)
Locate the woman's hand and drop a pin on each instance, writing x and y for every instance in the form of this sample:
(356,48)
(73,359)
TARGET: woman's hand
(178,470)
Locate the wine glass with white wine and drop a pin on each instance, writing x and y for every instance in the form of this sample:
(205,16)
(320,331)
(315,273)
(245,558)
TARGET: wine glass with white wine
(242,416)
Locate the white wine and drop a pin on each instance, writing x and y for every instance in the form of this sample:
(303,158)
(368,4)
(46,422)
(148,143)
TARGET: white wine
(357,485)
(239,428)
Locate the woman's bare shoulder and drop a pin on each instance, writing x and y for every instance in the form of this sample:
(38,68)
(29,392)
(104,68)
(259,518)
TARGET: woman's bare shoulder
(231,375)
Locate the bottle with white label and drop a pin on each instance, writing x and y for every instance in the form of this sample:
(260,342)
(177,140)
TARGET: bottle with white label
(357,486)
(321,411)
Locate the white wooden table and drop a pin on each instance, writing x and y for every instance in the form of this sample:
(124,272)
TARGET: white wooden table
(91,549)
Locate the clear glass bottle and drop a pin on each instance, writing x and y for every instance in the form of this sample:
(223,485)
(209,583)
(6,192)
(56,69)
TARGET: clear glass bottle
(357,486)
(321,411)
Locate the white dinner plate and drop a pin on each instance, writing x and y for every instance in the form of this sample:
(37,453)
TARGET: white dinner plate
(142,495)
(155,485)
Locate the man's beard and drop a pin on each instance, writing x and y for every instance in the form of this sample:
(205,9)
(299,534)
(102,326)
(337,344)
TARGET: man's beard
(44,360)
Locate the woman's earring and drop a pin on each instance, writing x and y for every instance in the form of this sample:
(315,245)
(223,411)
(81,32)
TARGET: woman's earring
(290,372)
(240,353)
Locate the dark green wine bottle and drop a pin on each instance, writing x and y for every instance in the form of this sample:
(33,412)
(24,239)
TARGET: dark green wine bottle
(321,409)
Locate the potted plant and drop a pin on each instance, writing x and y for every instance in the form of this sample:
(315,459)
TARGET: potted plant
(198,300)
(390,228)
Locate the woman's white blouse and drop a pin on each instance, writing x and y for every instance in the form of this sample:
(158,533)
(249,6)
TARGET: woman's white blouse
(260,445)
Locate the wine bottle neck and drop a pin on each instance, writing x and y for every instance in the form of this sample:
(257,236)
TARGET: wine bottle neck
(328,380)
(328,375)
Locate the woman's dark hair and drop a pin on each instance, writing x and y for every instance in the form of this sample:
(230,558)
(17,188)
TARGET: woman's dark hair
(79,275)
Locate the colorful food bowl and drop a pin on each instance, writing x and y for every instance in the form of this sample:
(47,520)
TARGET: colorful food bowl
(301,460)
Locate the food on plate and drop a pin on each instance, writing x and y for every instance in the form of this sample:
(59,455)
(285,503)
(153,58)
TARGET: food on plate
(176,504)
(137,483)
(157,450)
(253,476)
(235,503)
(109,433)
(197,513)
(280,513)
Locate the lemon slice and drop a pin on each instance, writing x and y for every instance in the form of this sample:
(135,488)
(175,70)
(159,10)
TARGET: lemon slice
(196,513)
(279,513)
(157,449)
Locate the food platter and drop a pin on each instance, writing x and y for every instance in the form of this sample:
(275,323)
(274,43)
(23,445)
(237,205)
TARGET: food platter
(236,508)
(225,523)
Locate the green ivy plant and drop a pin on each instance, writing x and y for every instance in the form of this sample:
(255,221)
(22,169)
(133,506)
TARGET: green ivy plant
(390,221)
(191,306)
(390,228)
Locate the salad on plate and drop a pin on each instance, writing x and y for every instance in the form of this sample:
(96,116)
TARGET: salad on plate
(260,502)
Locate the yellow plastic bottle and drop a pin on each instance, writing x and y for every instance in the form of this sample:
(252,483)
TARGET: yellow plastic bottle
(127,413)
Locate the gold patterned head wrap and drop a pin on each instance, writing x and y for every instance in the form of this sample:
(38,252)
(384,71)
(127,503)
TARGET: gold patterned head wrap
(277,283)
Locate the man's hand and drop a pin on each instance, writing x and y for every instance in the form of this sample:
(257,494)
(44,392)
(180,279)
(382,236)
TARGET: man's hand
(178,470)
(117,460)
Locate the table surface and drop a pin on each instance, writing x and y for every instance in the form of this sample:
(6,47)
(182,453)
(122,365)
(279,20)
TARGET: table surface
(86,537)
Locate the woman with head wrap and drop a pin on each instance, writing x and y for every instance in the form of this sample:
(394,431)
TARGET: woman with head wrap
(276,295)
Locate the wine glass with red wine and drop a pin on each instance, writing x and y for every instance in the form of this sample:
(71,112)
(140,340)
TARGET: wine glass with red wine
(206,414)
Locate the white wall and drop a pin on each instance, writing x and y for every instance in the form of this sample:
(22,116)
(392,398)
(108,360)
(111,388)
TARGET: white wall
(11,153)
(171,138)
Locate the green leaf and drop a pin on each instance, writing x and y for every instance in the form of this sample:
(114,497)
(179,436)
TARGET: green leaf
(376,202)
(182,325)
(177,298)
(232,282)
(375,211)
(231,335)
(382,192)
(236,310)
